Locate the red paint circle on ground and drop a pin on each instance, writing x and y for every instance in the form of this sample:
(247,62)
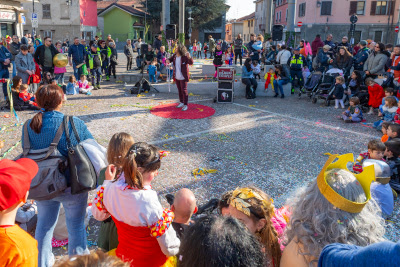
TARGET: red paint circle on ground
(195,111)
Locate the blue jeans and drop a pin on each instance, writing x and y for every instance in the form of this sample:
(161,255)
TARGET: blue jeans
(279,83)
(138,62)
(75,211)
(4,73)
(60,78)
(152,78)
(77,72)
(14,72)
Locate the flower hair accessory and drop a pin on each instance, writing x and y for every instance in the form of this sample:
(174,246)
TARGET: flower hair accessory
(241,201)
(163,154)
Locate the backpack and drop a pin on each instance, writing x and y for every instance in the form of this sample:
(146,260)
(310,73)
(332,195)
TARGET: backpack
(50,180)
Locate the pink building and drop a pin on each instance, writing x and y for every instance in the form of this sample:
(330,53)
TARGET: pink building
(281,12)
(376,19)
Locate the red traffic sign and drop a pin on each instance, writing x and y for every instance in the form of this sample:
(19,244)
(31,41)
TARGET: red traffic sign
(299,24)
(161,28)
(396,29)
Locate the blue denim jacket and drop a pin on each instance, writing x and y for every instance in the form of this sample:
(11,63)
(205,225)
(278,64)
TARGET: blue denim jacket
(247,74)
(78,53)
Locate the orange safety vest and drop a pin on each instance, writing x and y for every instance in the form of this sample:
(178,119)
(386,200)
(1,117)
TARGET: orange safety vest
(396,62)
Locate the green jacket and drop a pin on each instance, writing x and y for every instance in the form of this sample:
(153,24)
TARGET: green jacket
(106,51)
(90,59)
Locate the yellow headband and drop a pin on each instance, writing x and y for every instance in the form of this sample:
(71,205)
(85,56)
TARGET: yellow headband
(365,179)
(240,197)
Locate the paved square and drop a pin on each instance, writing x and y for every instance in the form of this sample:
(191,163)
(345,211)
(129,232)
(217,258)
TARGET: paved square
(275,144)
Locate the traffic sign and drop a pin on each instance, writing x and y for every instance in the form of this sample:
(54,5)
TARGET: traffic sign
(34,20)
(396,29)
(353,19)
(23,20)
(299,24)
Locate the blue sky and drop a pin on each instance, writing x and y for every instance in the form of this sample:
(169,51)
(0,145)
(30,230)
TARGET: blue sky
(240,8)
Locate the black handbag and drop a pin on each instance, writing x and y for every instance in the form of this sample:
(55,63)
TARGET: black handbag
(83,176)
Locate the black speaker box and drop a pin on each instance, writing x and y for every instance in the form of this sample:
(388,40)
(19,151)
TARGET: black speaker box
(144,48)
(277,32)
(170,31)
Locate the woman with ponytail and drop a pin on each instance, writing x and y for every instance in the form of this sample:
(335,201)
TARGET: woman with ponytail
(254,208)
(42,129)
(145,234)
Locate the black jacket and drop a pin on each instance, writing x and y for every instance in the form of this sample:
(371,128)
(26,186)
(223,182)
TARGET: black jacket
(157,44)
(343,64)
(339,91)
(39,53)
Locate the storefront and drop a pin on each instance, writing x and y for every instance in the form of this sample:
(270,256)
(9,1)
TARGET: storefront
(8,21)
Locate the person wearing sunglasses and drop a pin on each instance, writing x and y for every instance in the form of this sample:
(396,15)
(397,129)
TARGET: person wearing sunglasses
(44,56)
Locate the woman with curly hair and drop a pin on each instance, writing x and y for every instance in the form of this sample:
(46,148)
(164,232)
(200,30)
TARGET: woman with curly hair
(315,222)
(254,209)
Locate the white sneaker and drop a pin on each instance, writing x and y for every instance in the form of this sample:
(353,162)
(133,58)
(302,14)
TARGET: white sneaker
(336,107)
(180,105)
(185,108)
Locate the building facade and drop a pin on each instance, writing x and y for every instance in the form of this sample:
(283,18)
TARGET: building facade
(281,12)
(376,19)
(248,26)
(60,19)
(123,22)
(232,29)
(12,17)
(259,23)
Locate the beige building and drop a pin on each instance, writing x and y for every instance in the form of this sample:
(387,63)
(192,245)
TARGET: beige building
(11,18)
(248,26)
(61,19)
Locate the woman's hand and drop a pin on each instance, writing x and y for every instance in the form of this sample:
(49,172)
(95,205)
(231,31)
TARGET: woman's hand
(110,173)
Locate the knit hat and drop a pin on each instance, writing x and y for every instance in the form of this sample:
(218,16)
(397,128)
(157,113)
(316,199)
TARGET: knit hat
(327,47)
(15,180)
(363,43)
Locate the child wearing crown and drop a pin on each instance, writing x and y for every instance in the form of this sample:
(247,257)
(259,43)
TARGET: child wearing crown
(145,235)
(335,208)
(376,150)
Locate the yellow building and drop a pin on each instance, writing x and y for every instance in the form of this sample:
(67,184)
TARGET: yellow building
(248,26)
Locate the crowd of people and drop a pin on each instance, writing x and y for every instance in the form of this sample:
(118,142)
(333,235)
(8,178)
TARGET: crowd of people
(335,220)
(338,219)
(32,62)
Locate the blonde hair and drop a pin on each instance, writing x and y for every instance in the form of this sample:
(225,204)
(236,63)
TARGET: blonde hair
(260,37)
(23,87)
(94,259)
(390,99)
(118,147)
(340,79)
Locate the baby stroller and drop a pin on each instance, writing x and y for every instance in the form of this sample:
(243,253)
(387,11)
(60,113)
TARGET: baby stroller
(311,85)
(327,86)
(364,98)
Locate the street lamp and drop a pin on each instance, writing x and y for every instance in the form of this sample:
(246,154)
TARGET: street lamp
(190,24)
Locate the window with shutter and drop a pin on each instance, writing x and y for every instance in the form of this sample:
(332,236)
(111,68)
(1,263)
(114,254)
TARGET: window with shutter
(353,8)
(381,8)
(326,8)
(302,9)
(360,7)
(46,11)
(391,7)
(373,7)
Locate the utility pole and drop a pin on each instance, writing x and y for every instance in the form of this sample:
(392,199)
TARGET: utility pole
(182,21)
(33,11)
(165,13)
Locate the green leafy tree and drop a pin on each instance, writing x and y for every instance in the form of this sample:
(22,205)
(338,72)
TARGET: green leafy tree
(206,14)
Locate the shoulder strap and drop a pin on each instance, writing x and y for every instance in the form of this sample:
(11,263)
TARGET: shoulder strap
(66,128)
(27,144)
(55,141)
(74,129)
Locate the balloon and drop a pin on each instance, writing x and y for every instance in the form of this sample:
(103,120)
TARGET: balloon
(60,60)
